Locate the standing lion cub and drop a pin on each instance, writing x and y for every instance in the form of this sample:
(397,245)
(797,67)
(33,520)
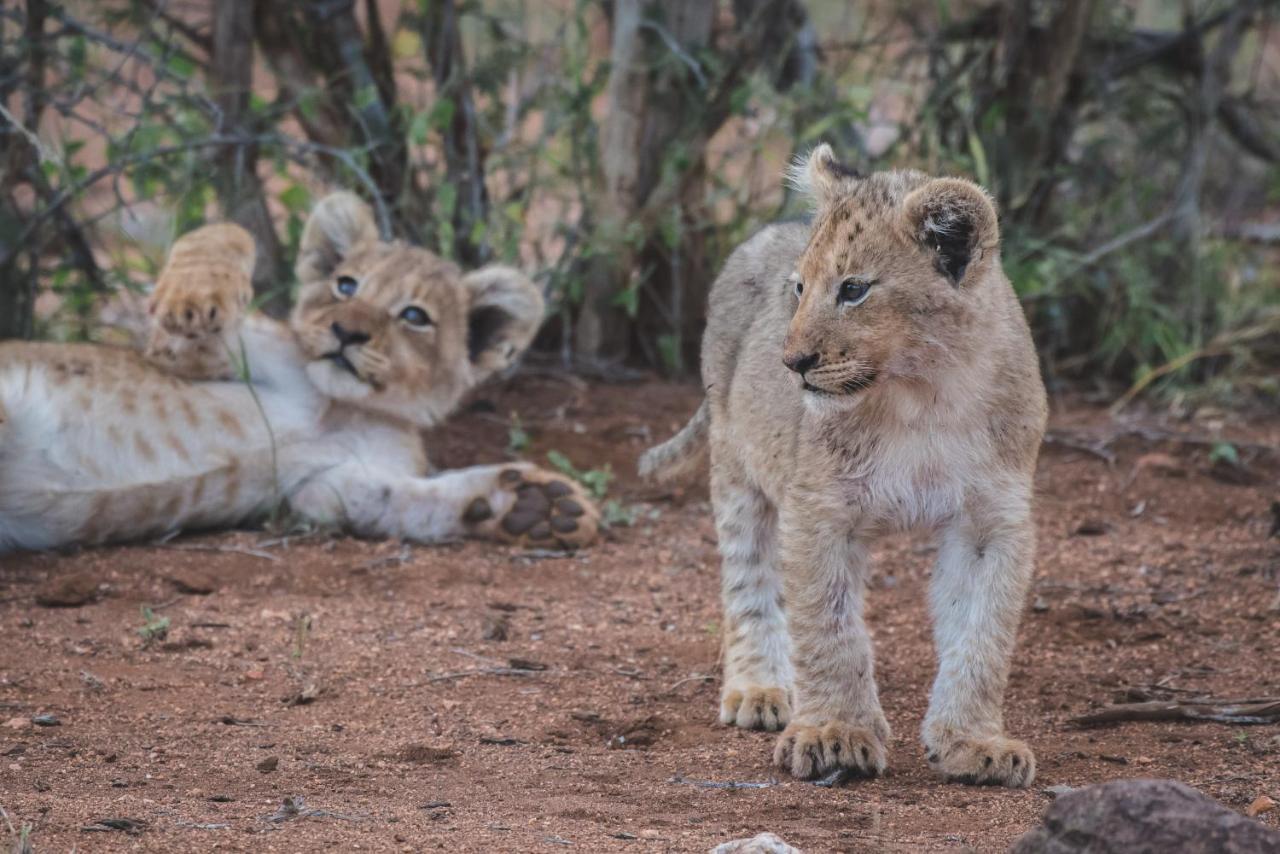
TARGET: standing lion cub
(869,372)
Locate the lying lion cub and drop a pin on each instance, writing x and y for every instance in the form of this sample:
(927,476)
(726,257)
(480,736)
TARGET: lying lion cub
(225,416)
(913,398)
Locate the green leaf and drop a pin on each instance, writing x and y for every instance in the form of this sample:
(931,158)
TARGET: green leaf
(418,128)
(1224,452)
(296,198)
(442,113)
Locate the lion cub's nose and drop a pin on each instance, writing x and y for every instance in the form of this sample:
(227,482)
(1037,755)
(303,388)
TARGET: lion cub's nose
(800,362)
(348,336)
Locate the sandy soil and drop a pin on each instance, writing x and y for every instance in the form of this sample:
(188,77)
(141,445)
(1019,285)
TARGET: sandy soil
(470,698)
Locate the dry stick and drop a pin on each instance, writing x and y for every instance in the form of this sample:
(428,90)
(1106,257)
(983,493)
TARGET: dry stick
(1219,345)
(210,547)
(483,671)
(1264,710)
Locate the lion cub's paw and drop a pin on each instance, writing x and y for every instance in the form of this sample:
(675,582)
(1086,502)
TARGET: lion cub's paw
(816,750)
(994,761)
(195,306)
(756,707)
(548,511)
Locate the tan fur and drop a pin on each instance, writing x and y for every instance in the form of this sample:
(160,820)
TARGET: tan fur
(227,416)
(920,406)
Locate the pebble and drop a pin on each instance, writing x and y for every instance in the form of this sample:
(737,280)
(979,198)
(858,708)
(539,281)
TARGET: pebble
(68,591)
(1261,804)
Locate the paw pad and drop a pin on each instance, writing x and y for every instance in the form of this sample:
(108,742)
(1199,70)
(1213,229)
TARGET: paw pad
(548,512)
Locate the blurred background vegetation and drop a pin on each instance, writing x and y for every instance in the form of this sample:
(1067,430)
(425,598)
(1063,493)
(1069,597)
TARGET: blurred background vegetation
(618,149)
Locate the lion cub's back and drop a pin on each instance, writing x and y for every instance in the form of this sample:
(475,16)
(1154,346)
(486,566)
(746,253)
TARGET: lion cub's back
(749,308)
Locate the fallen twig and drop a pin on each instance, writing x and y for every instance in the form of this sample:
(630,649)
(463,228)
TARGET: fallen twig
(1264,710)
(295,806)
(482,671)
(724,784)
(1098,449)
(213,547)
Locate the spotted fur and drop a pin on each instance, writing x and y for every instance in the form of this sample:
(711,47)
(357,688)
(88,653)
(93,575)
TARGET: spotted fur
(226,417)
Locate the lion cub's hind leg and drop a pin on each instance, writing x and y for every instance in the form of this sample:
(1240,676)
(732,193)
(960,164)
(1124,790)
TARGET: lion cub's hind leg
(756,692)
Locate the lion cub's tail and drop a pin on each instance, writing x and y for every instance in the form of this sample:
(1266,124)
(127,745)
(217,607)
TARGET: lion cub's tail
(682,454)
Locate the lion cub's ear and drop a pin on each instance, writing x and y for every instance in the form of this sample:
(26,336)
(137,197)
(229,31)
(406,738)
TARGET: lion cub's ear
(821,176)
(505,313)
(956,220)
(337,225)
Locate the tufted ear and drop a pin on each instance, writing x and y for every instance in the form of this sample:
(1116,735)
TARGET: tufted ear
(337,225)
(956,220)
(820,176)
(506,311)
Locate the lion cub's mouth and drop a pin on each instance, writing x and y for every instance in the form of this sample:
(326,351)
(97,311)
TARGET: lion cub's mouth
(340,359)
(853,385)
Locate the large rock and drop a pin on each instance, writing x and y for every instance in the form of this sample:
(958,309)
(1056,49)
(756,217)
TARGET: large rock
(1145,817)
(764,843)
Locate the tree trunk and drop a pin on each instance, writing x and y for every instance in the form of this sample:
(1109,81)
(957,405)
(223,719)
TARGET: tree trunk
(463,154)
(650,120)
(651,223)
(19,274)
(318,52)
(240,191)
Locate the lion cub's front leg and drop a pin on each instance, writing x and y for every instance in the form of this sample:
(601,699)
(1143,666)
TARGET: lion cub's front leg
(837,723)
(517,503)
(199,301)
(976,596)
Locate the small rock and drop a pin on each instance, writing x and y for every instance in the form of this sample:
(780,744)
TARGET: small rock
(68,591)
(192,581)
(1092,528)
(46,720)
(1260,805)
(269,764)
(764,843)
(1059,791)
(1144,817)
(496,627)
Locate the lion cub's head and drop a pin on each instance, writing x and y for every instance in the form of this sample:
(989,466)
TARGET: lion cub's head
(895,279)
(395,329)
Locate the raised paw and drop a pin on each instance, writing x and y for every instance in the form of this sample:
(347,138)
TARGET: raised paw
(206,284)
(993,761)
(549,511)
(815,750)
(756,707)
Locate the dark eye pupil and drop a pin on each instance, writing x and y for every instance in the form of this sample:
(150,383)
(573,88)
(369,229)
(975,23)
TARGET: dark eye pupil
(853,291)
(415,316)
(346,285)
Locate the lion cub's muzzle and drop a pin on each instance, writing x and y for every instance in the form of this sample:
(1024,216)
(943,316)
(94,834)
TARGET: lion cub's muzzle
(847,377)
(344,338)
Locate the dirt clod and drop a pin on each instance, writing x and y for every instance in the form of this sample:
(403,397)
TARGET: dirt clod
(70,590)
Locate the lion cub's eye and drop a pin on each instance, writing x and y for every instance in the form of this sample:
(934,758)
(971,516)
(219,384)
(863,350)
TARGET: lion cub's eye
(799,289)
(346,286)
(415,316)
(853,291)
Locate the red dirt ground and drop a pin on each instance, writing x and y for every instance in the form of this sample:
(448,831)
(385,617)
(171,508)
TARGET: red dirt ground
(1156,577)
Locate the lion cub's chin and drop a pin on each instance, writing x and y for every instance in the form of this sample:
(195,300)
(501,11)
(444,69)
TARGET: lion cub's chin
(831,401)
(333,380)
